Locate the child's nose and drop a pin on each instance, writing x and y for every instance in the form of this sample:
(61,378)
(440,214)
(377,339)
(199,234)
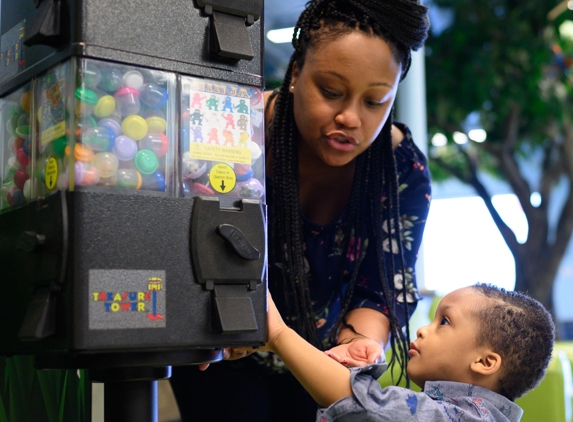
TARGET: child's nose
(421,332)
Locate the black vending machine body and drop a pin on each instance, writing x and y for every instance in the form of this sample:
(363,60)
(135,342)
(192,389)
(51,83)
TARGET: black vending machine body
(132,201)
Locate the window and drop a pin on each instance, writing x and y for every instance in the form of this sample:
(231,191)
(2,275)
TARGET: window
(462,245)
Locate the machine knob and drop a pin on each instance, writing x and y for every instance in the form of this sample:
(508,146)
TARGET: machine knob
(238,241)
(29,241)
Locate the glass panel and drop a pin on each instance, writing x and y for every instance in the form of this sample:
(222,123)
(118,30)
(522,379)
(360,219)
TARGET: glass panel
(222,139)
(115,126)
(15,148)
(123,136)
(52,129)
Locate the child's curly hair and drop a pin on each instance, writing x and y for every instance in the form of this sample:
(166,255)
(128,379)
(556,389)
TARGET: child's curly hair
(521,330)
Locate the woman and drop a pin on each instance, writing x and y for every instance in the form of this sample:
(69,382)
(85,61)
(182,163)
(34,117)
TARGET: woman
(348,195)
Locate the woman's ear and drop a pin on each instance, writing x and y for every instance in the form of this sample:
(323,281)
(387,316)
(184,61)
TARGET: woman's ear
(294,77)
(487,363)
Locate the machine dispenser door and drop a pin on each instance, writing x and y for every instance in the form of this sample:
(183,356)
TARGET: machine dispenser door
(228,250)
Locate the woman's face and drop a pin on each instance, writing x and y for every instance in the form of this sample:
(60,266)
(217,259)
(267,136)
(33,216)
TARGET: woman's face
(343,95)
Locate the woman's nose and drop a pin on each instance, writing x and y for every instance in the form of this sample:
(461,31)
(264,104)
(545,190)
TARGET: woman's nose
(349,116)
(421,332)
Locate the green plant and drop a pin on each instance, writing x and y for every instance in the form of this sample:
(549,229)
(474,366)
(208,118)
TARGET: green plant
(30,395)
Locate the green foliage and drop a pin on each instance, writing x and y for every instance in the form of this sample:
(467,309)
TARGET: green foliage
(30,395)
(495,55)
(271,84)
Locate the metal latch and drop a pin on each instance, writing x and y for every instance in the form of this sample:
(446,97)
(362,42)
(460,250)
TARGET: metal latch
(228,23)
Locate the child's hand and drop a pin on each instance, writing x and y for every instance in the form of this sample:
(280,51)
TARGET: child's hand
(359,352)
(275,324)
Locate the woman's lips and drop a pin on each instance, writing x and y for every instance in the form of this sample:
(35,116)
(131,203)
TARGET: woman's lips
(341,141)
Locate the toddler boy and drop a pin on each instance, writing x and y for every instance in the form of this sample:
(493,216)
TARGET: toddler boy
(485,348)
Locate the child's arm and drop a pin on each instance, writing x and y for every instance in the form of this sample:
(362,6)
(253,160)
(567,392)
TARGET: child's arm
(326,380)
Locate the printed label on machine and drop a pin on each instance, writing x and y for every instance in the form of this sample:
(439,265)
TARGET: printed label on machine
(52,112)
(219,117)
(125,299)
(11,53)
(222,139)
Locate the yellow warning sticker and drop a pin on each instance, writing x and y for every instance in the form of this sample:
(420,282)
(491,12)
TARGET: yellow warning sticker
(53,132)
(51,173)
(208,152)
(222,178)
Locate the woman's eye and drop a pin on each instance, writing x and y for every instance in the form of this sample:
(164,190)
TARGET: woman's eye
(329,94)
(444,321)
(375,103)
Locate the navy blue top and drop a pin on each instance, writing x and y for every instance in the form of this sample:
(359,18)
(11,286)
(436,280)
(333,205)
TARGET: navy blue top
(323,252)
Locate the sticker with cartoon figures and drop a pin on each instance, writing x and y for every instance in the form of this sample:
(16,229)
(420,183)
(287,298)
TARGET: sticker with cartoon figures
(51,113)
(221,151)
(219,118)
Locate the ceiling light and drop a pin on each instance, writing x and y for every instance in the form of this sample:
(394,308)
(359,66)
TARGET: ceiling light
(280,36)
(439,140)
(460,138)
(535,199)
(566,29)
(477,135)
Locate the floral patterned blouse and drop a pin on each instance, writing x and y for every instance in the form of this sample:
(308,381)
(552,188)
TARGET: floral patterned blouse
(324,254)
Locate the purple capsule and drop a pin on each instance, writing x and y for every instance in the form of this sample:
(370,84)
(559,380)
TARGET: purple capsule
(125,148)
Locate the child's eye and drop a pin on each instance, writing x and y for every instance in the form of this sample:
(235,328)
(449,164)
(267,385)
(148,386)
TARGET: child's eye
(444,321)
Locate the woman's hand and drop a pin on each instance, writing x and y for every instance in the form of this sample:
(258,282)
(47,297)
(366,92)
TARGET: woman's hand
(358,352)
(232,353)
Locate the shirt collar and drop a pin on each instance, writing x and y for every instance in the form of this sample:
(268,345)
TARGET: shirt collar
(448,390)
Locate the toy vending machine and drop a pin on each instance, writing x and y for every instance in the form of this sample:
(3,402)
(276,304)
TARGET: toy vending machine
(132,206)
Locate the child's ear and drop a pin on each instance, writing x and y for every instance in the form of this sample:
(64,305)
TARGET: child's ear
(487,363)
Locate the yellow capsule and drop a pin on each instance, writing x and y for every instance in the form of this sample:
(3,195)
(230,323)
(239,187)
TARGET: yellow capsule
(134,126)
(105,106)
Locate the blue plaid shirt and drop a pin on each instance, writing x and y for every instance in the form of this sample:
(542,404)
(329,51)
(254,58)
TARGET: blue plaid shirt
(440,401)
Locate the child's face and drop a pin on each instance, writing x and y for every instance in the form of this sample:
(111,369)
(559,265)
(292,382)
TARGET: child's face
(445,349)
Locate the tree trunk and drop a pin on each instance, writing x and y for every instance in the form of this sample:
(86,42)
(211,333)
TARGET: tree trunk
(535,276)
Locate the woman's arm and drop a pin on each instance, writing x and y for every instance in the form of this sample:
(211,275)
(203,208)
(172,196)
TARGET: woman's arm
(414,197)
